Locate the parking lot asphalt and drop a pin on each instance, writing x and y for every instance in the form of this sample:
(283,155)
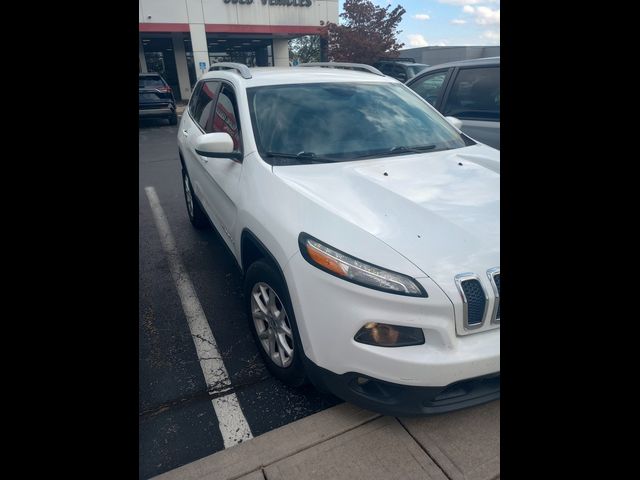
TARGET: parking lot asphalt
(177,420)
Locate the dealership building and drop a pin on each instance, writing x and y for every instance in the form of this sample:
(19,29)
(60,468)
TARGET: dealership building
(180,39)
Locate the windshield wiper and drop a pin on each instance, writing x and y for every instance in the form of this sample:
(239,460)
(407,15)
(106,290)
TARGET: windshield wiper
(413,149)
(394,150)
(309,156)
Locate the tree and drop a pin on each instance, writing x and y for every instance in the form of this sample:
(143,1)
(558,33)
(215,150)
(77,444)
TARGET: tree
(305,49)
(367,33)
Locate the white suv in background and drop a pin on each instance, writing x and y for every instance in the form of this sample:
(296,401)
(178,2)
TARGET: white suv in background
(366,226)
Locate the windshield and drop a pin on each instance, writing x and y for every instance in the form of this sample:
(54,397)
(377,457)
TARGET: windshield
(345,121)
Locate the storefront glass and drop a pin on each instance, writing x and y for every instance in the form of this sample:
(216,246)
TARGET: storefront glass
(253,52)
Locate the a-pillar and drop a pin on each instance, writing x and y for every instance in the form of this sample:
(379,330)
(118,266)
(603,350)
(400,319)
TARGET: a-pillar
(280,52)
(200,48)
(181,65)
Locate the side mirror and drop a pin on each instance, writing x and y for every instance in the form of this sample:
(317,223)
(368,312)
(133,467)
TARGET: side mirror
(455,122)
(217,145)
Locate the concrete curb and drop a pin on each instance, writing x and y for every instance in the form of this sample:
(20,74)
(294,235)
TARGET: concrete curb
(249,457)
(346,442)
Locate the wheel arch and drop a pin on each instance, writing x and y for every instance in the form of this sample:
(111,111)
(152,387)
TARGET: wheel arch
(252,249)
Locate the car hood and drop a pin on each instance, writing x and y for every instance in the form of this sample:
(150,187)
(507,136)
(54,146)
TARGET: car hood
(440,210)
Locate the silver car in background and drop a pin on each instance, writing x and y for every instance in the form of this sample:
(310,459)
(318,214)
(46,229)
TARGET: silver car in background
(468,90)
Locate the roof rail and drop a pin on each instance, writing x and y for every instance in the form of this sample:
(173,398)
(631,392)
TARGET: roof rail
(354,66)
(242,69)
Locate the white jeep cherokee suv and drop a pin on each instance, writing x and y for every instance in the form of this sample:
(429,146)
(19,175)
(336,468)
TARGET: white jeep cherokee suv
(365,224)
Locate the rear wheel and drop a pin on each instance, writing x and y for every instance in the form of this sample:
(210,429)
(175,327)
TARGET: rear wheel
(273,324)
(196,214)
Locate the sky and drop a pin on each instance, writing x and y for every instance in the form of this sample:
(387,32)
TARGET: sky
(429,23)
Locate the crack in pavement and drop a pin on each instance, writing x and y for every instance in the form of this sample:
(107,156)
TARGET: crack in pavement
(209,394)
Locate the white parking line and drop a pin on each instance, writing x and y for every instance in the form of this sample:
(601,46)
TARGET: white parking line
(233,425)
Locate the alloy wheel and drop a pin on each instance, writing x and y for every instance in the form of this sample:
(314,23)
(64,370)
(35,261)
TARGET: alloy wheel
(272,324)
(187,194)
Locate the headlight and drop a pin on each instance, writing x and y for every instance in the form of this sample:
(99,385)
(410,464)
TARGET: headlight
(354,270)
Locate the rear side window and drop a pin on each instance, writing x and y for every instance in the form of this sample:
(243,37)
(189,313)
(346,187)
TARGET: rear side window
(475,94)
(429,86)
(150,82)
(203,106)
(226,116)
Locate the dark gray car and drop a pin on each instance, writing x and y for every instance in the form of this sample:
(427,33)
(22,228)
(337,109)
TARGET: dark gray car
(468,90)
(155,98)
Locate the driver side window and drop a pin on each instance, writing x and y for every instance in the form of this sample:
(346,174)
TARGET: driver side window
(475,94)
(225,118)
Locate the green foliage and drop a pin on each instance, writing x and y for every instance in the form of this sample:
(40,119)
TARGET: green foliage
(305,49)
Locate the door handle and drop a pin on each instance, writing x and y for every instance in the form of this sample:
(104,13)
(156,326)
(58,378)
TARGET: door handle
(185,133)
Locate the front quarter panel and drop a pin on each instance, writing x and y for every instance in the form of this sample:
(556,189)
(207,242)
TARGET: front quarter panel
(276,213)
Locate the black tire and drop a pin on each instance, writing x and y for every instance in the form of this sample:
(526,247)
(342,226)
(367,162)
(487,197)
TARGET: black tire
(264,272)
(173,119)
(197,216)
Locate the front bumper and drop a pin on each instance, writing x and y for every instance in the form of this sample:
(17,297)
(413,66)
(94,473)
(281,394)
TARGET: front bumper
(329,311)
(402,400)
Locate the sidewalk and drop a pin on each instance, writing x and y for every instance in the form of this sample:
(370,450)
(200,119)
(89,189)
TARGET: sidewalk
(347,442)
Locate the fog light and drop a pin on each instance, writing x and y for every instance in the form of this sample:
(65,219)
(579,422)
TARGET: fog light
(384,335)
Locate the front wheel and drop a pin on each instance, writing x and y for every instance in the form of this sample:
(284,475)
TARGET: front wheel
(273,324)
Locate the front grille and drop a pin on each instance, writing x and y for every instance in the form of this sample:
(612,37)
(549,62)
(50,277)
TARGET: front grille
(476,301)
(496,279)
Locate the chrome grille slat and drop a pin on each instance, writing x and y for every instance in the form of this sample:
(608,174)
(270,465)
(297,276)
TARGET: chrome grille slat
(494,278)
